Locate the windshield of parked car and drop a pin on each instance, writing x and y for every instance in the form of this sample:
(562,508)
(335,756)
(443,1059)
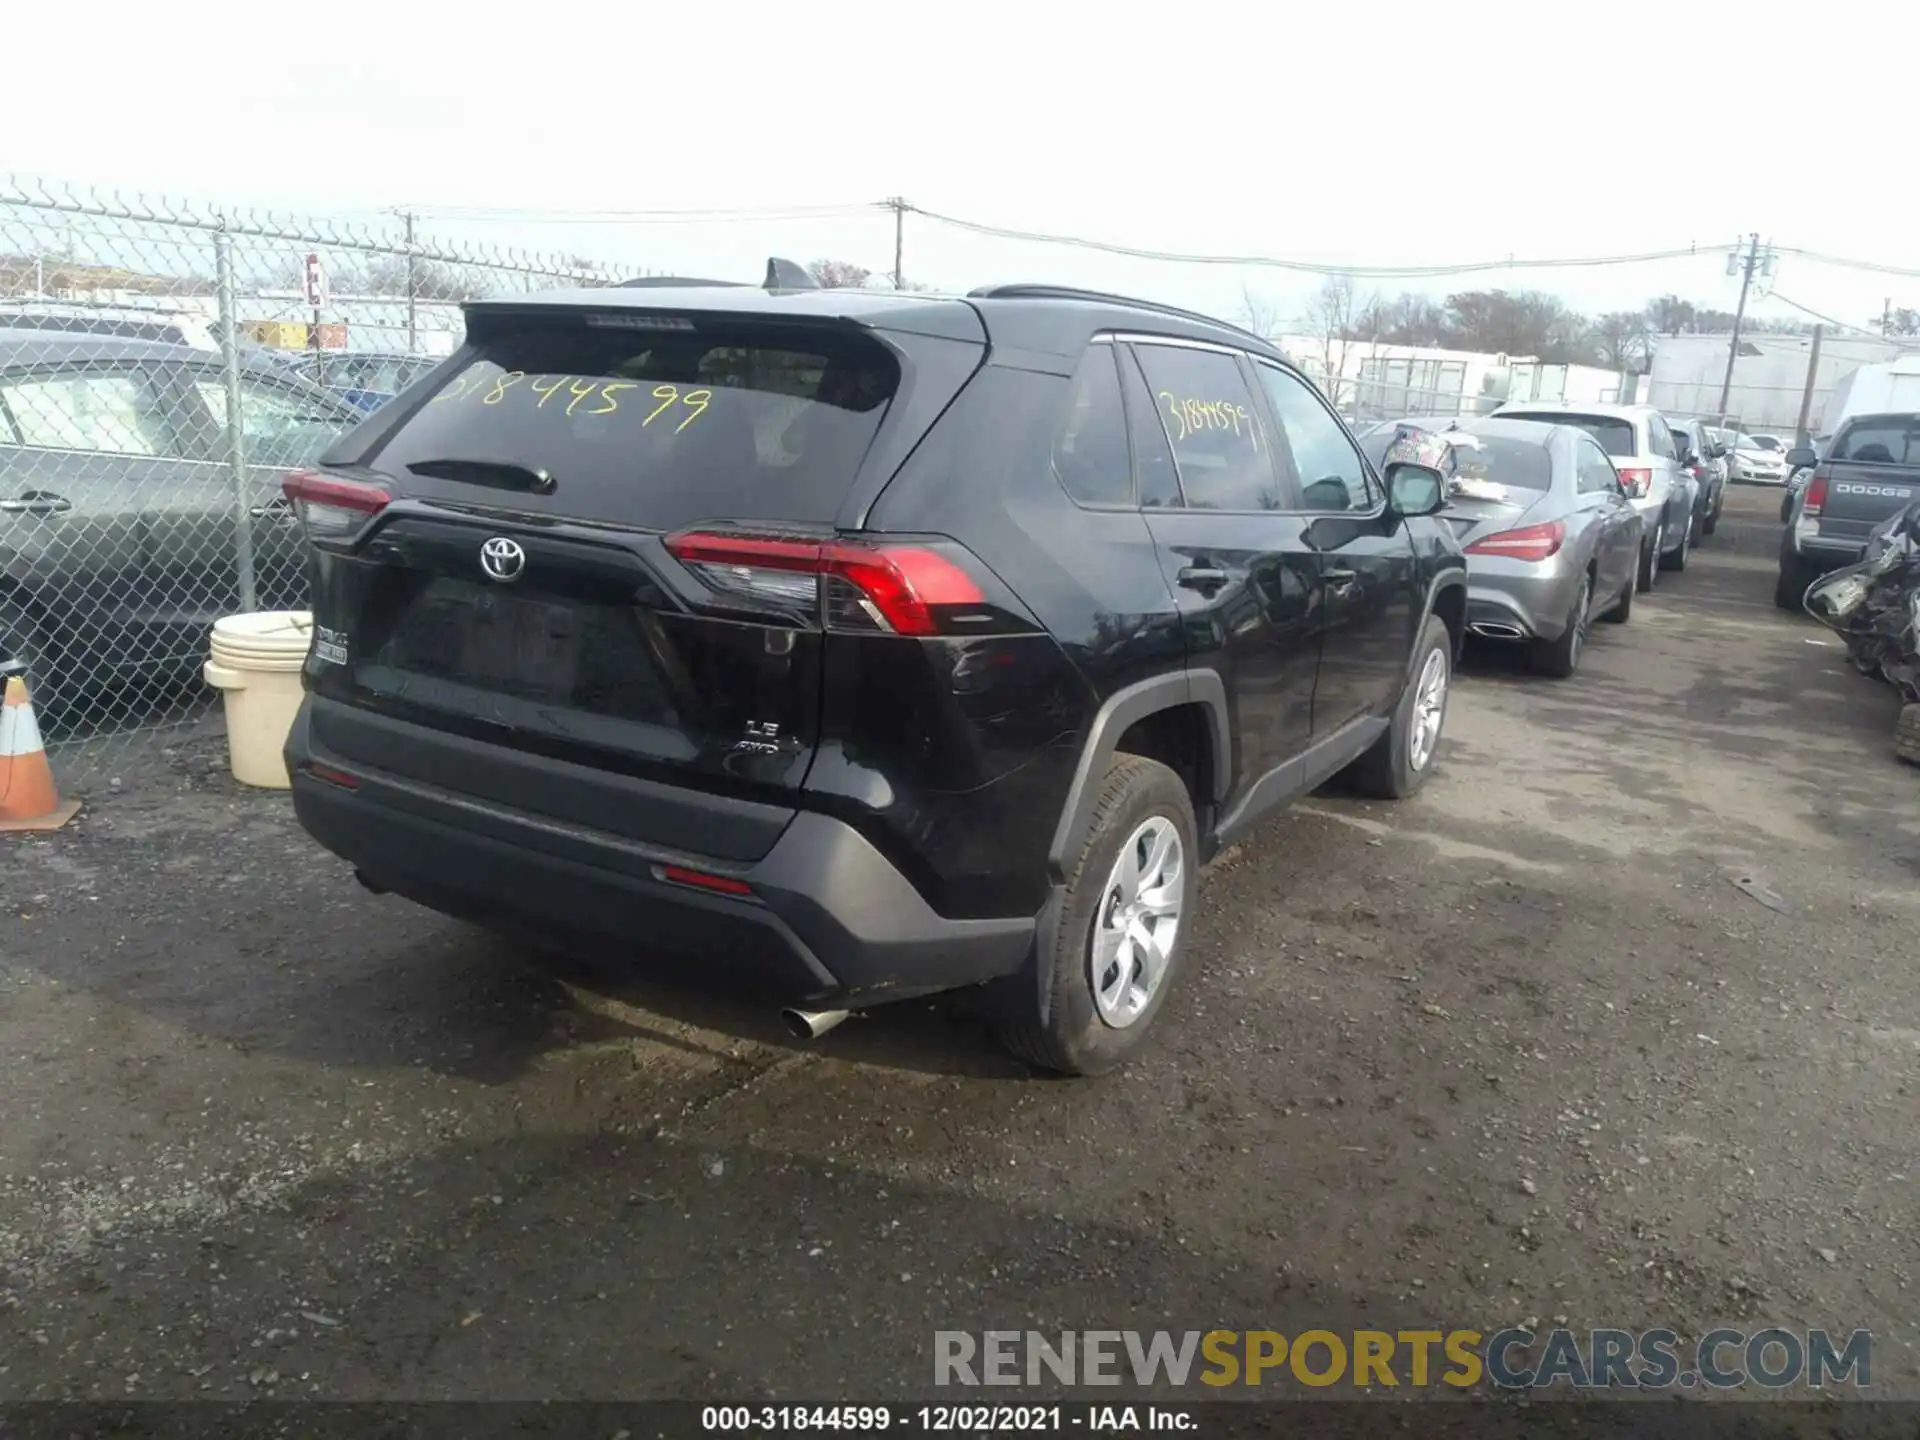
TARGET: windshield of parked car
(1499,460)
(1880,440)
(1614,434)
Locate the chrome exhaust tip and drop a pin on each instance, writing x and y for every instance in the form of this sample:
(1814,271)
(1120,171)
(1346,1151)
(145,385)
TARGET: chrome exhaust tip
(810,1024)
(1493,630)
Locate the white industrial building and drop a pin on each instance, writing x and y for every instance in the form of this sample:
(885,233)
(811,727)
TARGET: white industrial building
(1372,378)
(1769,375)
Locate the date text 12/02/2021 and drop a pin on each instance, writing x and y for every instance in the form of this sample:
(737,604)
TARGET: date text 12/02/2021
(946,1419)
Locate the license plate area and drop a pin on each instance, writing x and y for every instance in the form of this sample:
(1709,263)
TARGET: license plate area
(505,643)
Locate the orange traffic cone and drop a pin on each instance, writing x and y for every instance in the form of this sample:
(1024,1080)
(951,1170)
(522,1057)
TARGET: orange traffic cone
(28,799)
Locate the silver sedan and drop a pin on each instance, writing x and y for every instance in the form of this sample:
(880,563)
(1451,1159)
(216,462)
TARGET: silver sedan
(1552,538)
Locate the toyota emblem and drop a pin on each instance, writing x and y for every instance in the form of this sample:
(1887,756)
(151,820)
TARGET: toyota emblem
(502,559)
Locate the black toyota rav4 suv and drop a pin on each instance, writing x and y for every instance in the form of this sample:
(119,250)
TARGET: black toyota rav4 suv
(854,646)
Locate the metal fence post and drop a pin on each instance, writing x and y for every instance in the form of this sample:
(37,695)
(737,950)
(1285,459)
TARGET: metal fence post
(236,438)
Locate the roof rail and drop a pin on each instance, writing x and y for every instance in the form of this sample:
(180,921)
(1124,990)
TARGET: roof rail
(1069,292)
(673,282)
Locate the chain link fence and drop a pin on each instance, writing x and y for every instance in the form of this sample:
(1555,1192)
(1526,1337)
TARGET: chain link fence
(162,366)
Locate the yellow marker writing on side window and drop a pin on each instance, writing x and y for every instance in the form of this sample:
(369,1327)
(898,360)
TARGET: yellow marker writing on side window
(1191,416)
(546,387)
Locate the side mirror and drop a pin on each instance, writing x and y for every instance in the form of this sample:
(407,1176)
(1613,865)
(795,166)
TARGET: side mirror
(1801,457)
(1718,452)
(1687,457)
(1414,489)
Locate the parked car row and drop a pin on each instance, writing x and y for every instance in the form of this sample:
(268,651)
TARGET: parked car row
(1565,511)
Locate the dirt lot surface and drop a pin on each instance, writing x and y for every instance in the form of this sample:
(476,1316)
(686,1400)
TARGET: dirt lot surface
(1523,1048)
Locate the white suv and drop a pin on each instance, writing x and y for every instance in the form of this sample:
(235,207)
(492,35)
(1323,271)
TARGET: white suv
(1648,458)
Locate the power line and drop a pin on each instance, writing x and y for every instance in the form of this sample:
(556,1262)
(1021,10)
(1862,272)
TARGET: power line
(1843,263)
(1825,319)
(490,215)
(1310,267)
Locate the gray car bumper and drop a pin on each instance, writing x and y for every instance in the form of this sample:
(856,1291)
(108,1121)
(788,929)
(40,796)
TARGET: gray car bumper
(1509,600)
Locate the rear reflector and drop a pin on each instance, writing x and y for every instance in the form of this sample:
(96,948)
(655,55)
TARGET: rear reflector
(700,880)
(332,776)
(884,588)
(330,507)
(1532,543)
(1637,482)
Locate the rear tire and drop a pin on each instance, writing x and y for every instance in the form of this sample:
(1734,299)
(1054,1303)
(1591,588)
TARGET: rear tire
(1399,761)
(1094,1022)
(1676,561)
(1560,658)
(1650,559)
(1790,590)
(1622,611)
(1906,735)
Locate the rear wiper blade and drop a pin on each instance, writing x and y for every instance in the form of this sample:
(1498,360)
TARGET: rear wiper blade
(499,474)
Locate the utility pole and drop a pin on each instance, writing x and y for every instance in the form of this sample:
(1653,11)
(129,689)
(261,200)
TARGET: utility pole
(899,208)
(1800,435)
(1747,265)
(1886,318)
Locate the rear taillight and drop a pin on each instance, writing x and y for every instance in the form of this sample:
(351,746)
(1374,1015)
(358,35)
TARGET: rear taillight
(329,507)
(1532,543)
(883,589)
(1637,482)
(1815,494)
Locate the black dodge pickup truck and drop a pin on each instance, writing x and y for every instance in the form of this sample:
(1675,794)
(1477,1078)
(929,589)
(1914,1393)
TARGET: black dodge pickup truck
(1870,470)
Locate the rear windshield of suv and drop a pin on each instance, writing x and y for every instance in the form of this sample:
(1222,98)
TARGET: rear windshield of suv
(1614,434)
(657,428)
(1880,440)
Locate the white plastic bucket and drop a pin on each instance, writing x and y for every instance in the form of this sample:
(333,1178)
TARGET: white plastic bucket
(256,662)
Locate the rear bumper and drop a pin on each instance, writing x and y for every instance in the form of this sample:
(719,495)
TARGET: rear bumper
(830,921)
(1505,595)
(1826,551)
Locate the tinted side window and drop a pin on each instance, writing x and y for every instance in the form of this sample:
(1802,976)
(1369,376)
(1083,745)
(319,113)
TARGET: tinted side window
(1596,474)
(1660,438)
(281,427)
(1332,474)
(1152,458)
(1209,417)
(117,412)
(1090,455)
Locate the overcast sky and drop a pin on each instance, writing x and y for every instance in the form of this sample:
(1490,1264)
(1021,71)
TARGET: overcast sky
(1342,133)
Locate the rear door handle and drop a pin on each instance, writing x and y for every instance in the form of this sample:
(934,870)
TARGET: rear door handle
(1201,577)
(36,502)
(1339,579)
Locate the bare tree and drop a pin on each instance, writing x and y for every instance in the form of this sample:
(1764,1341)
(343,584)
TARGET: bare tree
(1329,318)
(1262,316)
(838,274)
(1623,342)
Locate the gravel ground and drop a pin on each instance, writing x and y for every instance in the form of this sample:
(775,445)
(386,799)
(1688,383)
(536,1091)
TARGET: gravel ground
(1523,1048)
